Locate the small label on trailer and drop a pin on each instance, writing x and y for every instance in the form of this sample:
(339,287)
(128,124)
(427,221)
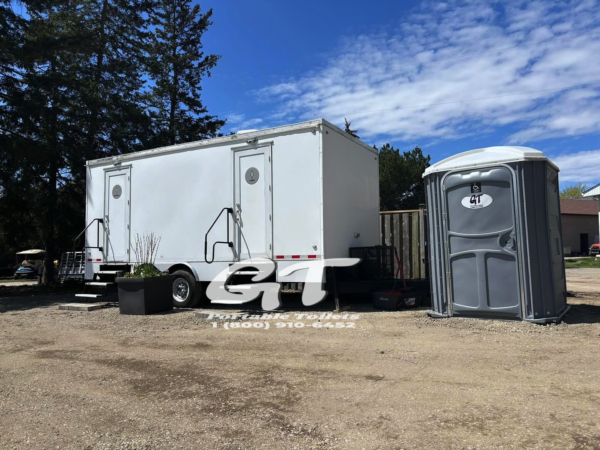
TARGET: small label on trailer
(477,201)
(476,188)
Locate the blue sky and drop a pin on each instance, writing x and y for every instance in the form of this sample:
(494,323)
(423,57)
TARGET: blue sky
(446,76)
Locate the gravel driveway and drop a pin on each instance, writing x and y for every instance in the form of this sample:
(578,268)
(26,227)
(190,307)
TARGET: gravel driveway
(99,380)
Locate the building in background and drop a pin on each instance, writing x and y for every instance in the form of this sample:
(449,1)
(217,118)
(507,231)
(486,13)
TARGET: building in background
(580,226)
(594,193)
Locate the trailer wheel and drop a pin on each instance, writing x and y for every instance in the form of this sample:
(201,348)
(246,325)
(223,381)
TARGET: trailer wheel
(186,292)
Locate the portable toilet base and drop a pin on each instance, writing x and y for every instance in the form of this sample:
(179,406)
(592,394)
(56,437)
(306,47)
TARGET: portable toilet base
(495,242)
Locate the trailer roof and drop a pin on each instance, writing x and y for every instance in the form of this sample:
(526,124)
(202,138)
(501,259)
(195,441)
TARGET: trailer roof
(239,137)
(488,156)
(593,191)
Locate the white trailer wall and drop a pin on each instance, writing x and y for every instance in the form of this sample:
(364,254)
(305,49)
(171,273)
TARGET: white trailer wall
(297,195)
(350,194)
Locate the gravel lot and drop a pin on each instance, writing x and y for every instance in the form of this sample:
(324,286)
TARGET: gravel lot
(99,380)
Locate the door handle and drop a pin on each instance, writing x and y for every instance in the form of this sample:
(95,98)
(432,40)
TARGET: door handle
(509,243)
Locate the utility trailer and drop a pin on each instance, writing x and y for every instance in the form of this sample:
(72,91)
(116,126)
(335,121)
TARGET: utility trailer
(294,193)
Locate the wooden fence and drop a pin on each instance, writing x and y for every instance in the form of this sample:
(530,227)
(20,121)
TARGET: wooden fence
(407,231)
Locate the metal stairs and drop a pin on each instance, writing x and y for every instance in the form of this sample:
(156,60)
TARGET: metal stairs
(103,284)
(71,267)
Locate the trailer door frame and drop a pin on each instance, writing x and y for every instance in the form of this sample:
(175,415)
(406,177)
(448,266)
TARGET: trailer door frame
(117,239)
(239,183)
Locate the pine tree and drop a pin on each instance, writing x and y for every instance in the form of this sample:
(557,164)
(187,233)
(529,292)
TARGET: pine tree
(176,65)
(76,97)
(400,178)
(38,112)
(349,130)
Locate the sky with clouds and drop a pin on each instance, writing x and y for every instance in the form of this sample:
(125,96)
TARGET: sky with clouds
(446,76)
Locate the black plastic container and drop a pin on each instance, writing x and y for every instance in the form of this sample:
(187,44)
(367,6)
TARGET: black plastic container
(394,300)
(143,296)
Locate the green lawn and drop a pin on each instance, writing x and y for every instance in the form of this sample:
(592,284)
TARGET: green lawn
(587,263)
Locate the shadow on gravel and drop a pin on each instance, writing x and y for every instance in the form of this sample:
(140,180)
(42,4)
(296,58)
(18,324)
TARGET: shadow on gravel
(22,298)
(292,302)
(582,313)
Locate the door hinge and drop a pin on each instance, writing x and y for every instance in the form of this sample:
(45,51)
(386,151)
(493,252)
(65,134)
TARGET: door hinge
(444,216)
(269,216)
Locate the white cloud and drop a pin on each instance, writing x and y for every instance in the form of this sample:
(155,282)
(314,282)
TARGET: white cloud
(421,74)
(234,118)
(580,167)
(282,90)
(240,122)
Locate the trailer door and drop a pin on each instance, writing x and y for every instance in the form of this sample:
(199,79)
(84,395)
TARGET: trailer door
(116,215)
(253,202)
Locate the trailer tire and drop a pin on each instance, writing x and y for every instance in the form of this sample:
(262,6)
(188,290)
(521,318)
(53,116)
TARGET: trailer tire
(187,293)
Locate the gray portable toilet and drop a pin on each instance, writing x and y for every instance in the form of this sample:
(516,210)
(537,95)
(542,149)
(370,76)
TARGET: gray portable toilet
(495,243)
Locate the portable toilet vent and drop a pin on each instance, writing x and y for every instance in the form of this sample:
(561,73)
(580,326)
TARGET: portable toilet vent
(495,244)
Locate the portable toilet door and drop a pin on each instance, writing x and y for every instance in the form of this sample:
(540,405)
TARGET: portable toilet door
(482,242)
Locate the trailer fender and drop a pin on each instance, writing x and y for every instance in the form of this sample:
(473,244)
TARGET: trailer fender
(184,266)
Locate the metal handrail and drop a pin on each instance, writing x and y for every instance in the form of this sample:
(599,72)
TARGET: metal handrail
(83,256)
(228,242)
(85,229)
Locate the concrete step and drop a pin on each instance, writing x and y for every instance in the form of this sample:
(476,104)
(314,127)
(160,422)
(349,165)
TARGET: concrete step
(82,306)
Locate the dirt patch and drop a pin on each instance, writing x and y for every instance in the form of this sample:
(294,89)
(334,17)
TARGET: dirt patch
(99,380)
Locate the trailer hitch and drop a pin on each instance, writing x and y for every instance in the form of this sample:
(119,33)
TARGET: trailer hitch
(228,242)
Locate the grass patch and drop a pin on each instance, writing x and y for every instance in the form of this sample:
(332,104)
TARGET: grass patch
(583,263)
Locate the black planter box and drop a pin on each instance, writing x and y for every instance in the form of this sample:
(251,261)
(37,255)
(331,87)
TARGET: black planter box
(142,296)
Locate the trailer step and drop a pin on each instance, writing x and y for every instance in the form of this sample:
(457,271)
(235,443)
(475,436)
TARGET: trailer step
(89,295)
(229,302)
(109,272)
(100,283)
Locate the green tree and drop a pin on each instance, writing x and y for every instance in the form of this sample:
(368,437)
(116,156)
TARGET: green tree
(572,192)
(176,65)
(70,91)
(400,178)
(38,116)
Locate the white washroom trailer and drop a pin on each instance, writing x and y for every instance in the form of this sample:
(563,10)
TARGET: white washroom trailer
(298,192)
